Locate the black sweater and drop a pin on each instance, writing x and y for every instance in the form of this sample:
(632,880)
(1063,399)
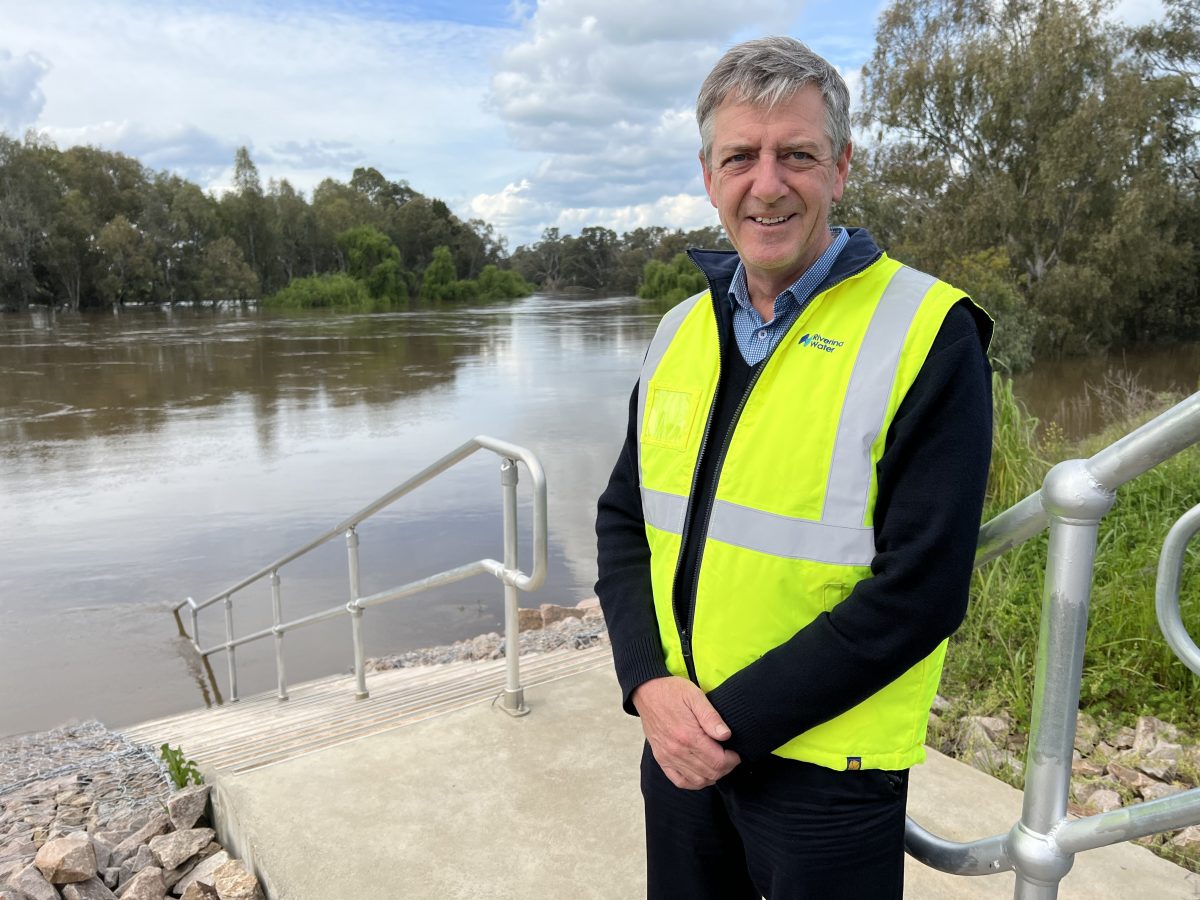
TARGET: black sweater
(931,481)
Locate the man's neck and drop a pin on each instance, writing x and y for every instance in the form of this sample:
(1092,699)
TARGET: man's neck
(765,286)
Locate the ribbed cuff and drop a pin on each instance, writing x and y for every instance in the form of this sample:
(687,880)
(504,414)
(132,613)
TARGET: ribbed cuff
(749,739)
(636,663)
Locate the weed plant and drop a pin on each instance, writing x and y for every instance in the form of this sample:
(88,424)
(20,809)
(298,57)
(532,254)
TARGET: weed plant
(1129,670)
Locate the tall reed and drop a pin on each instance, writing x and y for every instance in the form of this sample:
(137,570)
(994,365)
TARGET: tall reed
(1128,668)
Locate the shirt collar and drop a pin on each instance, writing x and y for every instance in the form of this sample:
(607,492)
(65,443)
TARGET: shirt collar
(802,288)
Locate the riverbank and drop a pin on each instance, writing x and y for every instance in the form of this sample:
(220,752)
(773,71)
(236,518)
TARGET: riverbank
(87,778)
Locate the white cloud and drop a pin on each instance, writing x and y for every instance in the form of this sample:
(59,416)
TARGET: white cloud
(21,97)
(604,95)
(311,90)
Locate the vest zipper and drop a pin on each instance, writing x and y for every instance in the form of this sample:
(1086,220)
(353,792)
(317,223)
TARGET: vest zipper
(685,625)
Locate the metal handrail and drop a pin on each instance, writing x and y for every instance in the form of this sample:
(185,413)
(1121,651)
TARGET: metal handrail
(507,572)
(1074,497)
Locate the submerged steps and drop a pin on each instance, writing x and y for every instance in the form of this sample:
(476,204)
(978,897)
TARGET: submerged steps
(261,729)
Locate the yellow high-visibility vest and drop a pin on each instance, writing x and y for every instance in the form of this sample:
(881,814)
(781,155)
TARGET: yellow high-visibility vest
(791,526)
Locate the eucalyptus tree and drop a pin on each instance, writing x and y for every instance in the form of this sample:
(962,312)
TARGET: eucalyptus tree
(1028,128)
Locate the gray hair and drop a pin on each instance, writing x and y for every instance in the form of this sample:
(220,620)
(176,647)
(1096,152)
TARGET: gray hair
(767,71)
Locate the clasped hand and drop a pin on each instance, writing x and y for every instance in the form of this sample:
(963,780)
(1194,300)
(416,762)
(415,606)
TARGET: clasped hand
(684,731)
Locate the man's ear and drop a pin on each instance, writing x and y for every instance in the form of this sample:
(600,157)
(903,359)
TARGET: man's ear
(842,164)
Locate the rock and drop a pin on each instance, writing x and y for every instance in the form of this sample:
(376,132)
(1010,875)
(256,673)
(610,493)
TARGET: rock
(179,846)
(1084,791)
(145,885)
(18,847)
(200,891)
(529,619)
(92,889)
(1130,778)
(1160,769)
(1189,838)
(202,872)
(67,860)
(993,760)
(12,895)
(589,603)
(552,613)
(111,877)
(186,807)
(31,881)
(1085,768)
(1165,750)
(1087,732)
(940,704)
(1123,739)
(1149,730)
(1103,801)
(103,850)
(1158,790)
(233,882)
(1105,750)
(142,859)
(156,826)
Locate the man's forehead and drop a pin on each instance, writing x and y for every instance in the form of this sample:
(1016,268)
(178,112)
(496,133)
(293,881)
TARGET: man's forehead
(788,122)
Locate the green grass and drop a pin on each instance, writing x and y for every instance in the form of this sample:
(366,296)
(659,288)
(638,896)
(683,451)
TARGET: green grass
(1128,668)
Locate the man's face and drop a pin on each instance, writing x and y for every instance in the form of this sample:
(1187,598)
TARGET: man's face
(773,178)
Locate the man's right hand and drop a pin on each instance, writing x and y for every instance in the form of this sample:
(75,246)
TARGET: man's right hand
(684,731)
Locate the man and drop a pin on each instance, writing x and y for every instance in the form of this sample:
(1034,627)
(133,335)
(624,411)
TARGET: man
(787,538)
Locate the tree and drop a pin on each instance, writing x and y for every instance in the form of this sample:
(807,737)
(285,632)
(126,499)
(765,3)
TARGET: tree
(126,263)
(439,281)
(1027,127)
(224,273)
(27,196)
(374,260)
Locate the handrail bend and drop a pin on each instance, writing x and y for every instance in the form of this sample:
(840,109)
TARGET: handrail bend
(507,571)
(1072,500)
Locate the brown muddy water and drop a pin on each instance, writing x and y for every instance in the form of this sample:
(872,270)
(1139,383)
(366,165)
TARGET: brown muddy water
(164,453)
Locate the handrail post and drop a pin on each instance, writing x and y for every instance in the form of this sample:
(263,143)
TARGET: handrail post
(514,695)
(277,615)
(233,690)
(195,623)
(1075,503)
(356,614)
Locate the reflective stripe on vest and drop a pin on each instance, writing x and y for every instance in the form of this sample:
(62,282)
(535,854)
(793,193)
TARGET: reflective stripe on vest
(840,536)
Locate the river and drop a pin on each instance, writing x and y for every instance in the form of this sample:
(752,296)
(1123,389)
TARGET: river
(165,453)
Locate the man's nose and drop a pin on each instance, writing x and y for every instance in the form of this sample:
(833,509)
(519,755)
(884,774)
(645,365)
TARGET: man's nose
(768,185)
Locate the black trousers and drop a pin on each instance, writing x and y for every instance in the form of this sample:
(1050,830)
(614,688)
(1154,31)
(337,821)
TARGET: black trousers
(779,829)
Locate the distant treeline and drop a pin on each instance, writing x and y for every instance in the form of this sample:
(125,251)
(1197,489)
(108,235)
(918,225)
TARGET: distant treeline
(89,228)
(85,227)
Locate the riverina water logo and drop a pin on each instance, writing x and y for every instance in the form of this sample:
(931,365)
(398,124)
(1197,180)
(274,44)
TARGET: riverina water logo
(820,342)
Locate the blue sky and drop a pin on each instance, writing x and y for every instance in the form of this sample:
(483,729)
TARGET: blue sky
(529,114)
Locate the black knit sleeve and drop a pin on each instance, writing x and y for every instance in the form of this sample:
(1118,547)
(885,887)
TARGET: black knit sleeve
(931,477)
(623,560)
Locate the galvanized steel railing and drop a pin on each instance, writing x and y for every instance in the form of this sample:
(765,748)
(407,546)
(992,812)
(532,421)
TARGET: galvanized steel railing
(1074,497)
(513,578)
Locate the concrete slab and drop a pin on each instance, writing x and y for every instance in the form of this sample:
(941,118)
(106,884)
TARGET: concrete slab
(475,804)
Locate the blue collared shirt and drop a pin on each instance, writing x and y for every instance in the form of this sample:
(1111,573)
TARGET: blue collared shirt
(756,338)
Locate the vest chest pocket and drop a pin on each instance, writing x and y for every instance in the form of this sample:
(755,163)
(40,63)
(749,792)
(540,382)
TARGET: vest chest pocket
(670,416)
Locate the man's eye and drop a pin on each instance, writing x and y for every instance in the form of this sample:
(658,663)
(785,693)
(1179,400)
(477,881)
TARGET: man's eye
(800,156)
(736,158)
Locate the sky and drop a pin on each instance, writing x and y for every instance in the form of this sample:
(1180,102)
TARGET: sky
(528,114)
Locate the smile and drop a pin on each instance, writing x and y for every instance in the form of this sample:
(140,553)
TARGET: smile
(770,220)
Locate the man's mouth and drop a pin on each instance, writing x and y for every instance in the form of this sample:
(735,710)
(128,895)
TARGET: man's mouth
(770,220)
